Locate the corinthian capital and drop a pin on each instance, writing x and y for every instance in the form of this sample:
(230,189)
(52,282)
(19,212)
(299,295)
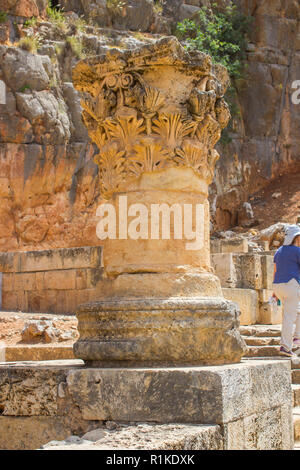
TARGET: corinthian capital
(152,109)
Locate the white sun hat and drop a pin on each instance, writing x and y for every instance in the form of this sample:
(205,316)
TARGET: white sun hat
(291,232)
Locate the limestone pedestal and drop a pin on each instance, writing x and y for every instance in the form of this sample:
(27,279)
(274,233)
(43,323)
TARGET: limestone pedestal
(236,406)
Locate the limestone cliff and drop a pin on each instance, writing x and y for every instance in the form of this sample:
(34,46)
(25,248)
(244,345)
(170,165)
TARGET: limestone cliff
(49,184)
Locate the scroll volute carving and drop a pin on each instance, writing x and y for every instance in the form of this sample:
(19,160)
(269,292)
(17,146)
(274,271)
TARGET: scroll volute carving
(126,120)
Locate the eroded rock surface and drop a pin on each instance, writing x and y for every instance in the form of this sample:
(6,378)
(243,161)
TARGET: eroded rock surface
(49,184)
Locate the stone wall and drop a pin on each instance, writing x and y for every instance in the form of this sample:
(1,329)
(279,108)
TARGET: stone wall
(57,281)
(247,279)
(53,281)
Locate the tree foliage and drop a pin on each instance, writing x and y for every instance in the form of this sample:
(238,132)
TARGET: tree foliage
(221,33)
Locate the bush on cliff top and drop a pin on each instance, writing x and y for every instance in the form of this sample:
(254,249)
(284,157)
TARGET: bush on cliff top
(220,33)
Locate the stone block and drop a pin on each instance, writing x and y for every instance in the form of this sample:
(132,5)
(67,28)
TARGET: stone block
(296,395)
(70,301)
(9,262)
(296,419)
(148,436)
(93,276)
(81,278)
(234,246)
(25,281)
(8,282)
(250,435)
(270,314)
(83,296)
(29,433)
(264,295)
(286,416)
(9,301)
(37,352)
(14,301)
(267,266)
(24,393)
(296,376)
(249,401)
(247,300)
(226,393)
(224,268)
(229,246)
(39,280)
(249,270)
(269,436)
(268,430)
(64,258)
(215,245)
(235,435)
(47,301)
(60,279)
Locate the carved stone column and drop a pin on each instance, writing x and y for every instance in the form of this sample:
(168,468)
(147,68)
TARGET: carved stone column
(156,114)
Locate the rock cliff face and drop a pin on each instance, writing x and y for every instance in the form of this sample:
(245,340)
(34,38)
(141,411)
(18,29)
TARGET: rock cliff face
(49,184)
(265,141)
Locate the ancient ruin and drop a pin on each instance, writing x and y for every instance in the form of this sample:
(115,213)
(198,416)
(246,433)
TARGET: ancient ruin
(161,303)
(136,262)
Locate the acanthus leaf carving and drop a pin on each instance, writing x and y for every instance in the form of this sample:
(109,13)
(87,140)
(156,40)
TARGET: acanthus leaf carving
(173,129)
(124,130)
(111,164)
(208,131)
(212,158)
(100,106)
(150,101)
(192,156)
(126,120)
(148,157)
(201,103)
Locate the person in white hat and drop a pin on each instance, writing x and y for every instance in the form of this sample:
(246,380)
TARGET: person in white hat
(286,287)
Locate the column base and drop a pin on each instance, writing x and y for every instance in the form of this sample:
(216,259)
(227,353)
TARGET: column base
(159,332)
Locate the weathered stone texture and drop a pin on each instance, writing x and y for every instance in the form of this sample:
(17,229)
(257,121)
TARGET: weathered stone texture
(149,436)
(265,142)
(55,281)
(247,300)
(26,8)
(247,279)
(251,402)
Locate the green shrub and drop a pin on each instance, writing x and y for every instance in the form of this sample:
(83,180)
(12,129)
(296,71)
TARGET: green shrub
(56,16)
(24,88)
(158,6)
(115,6)
(221,33)
(3,16)
(31,22)
(76,46)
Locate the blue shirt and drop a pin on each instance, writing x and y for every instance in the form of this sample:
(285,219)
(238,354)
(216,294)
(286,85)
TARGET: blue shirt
(287,259)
